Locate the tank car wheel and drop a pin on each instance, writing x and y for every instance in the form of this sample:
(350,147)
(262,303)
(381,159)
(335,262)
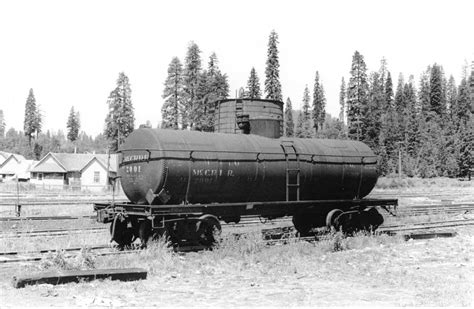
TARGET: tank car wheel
(348,222)
(331,219)
(303,224)
(207,227)
(121,233)
(371,219)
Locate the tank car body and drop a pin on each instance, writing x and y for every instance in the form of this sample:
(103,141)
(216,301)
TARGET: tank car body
(181,167)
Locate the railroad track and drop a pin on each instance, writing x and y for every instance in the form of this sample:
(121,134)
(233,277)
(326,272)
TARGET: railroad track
(270,237)
(63,232)
(26,203)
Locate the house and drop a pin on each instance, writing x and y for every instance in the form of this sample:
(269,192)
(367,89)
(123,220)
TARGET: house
(78,170)
(3,156)
(16,166)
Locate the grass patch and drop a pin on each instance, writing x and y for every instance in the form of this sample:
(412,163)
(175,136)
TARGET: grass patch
(395,182)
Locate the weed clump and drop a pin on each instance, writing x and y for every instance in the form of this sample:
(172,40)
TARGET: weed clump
(59,260)
(242,245)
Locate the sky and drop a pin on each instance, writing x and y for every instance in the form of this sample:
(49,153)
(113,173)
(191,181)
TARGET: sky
(71,52)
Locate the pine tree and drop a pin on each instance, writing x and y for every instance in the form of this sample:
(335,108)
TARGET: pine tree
(192,71)
(272,70)
(451,97)
(2,124)
(372,120)
(304,122)
(387,135)
(342,101)
(120,119)
(437,100)
(462,109)
(253,86)
(289,123)
(400,108)
(73,125)
(212,86)
(357,97)
(299,125)
(424,94)
(319,104)
(412,120)
(173,95)
(32,123)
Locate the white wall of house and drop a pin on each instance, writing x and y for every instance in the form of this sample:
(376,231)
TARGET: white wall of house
(94,175)
(47,179)
(11,168)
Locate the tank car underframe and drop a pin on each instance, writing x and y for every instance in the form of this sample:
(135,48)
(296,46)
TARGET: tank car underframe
(196,223)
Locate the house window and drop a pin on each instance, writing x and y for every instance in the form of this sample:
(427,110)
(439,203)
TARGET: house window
(96,177)
(40,176)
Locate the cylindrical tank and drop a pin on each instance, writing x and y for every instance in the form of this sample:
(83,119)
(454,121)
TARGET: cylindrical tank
(173,167)
(264,117)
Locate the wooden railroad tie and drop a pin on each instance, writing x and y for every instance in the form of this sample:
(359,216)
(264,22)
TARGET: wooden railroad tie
(61,277)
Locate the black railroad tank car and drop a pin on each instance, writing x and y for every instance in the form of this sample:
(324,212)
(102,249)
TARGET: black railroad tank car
(175,167)
(184,183)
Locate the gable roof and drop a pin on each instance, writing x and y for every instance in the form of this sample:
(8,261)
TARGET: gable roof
(5,155)
(73,162)
(21,168)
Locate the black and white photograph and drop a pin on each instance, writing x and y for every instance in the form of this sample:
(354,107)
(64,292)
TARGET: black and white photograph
(210,154)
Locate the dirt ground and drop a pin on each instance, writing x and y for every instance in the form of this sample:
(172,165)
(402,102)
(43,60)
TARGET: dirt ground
(435,272)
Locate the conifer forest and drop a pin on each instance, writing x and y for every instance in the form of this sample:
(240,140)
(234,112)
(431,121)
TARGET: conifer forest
(417,126)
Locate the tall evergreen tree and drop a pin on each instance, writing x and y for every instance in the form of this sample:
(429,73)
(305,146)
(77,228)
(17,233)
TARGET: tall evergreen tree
(192,71)
(462,109)
(388,90)
(289,123)
(32,122)
(272,70)
(411,129)
(319,104)
(372,120)
(304,122)
(2,124)
(383,73)
(213,86)
(451,96)
(253,86)
(120,119)
(299,124)
(342,101)
(388,136)
(437,100)
(357,97)
(73,125)
(173,95)
(424,93)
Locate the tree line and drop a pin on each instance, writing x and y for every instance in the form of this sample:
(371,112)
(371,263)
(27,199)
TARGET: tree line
(427,123)
(423,129)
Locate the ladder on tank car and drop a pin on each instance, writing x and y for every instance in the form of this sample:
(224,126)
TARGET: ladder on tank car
(292,168)
(239,110)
